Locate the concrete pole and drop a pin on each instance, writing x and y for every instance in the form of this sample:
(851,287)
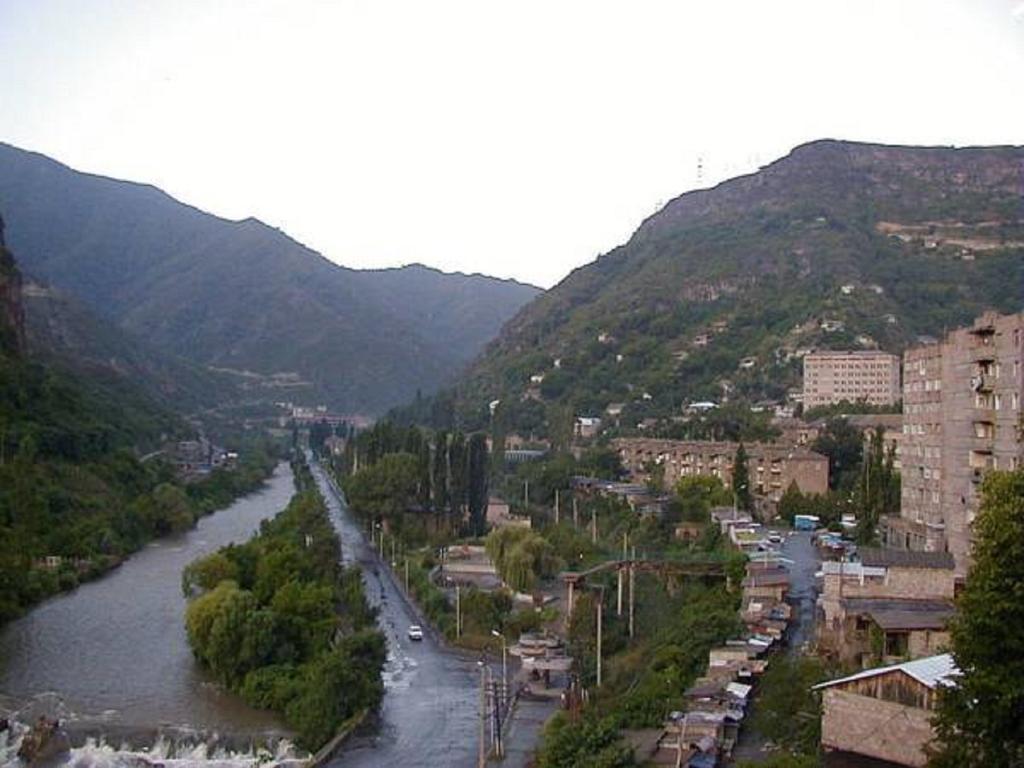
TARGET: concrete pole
(593,526)
(632,587)
(575,512)
(600,611)
(568,615)
(496,721)
(407,575)
(392,551)
(504,673)
(618,600)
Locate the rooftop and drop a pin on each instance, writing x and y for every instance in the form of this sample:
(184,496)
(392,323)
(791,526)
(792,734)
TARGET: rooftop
(896,614)
(904,558)
(931,671)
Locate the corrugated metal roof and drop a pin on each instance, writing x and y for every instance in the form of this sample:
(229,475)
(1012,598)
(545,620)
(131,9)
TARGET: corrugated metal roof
(905,558)
(931,671)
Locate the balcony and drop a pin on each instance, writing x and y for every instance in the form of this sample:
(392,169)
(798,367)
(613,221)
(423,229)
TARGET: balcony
(982,382)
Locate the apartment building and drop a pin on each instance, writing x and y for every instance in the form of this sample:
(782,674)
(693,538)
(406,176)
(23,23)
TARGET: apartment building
(772,467)
(961,418)
(831,377)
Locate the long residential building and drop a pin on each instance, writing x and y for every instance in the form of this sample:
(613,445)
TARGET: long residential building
(858,375)
(772,467)
(961,418)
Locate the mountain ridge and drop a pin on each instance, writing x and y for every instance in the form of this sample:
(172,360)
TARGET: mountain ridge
(920,237)
(242,294)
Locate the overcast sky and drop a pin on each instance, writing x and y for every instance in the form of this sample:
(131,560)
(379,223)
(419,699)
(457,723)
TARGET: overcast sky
(518,139)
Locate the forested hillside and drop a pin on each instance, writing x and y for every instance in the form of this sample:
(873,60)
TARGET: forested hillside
(74,497)
(717,296)
(243,296)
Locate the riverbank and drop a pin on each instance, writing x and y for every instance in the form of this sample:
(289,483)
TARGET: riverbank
(145,504)
(131,667)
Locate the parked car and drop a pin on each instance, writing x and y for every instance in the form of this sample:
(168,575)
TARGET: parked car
(774,538)
(416,632)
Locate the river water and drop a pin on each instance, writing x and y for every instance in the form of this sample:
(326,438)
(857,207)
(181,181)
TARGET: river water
(112,659)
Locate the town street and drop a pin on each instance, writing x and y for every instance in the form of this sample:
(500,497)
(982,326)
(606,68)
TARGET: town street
(429,716)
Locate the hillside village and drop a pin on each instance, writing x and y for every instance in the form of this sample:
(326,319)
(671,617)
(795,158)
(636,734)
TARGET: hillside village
(825,577)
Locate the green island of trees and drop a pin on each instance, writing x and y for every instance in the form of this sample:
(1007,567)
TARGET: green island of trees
(279,620)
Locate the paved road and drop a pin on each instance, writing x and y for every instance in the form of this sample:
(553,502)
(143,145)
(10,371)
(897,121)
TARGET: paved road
(803,594)
(429,713)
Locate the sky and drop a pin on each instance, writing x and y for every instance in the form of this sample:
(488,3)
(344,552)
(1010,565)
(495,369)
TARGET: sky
(518,139)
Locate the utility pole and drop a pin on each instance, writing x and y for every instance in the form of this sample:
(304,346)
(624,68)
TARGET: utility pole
(632,585)
(618,597)
(556,506)
(482,753)
(575,512)
(392,551)
(499,747)
(526,496)
(593,526)
(600,611)
(407,575)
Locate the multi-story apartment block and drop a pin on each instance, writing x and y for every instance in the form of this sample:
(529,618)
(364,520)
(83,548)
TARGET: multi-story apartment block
(870,375)
(962,417)
(772,467)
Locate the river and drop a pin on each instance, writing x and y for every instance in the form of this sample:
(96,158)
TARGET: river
(111,658)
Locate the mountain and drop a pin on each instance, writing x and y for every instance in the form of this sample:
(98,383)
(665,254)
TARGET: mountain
(243,297)
(837,245)
(65,334)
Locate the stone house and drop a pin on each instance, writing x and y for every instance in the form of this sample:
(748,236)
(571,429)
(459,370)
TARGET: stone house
(885,713)
(890,605)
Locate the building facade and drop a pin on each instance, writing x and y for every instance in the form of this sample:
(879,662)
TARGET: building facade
(772,467)
(962,418)
(868,375)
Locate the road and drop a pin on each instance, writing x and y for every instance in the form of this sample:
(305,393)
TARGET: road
(803,593)
(429,716)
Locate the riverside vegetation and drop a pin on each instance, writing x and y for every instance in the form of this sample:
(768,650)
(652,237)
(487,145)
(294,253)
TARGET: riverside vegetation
(280,621)
(71,486)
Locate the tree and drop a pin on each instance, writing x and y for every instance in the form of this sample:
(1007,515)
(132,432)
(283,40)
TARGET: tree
(439,475)
(521,557)
(172,510)
(878,489)
(741,480)
(980,719)
(697,494)
(207,572)
(591,744)
(843,444)
(478,477)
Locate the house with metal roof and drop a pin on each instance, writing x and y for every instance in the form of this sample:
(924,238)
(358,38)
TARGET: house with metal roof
(885,713)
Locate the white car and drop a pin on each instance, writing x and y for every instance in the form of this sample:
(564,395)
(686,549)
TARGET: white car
(416,632)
